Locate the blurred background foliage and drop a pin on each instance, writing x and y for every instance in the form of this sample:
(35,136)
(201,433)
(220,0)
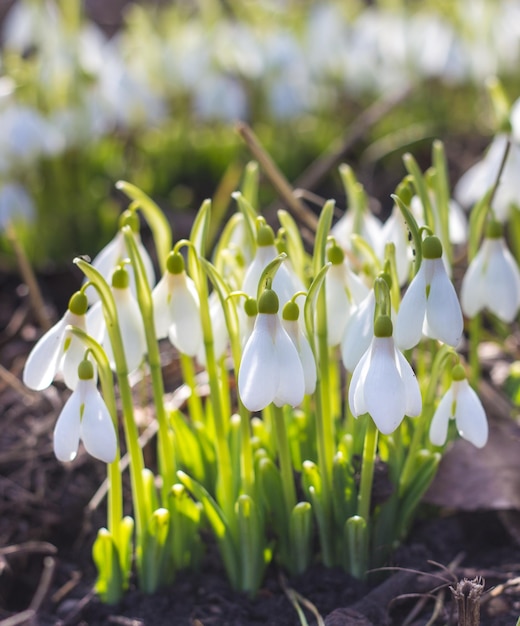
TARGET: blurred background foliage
(150,92)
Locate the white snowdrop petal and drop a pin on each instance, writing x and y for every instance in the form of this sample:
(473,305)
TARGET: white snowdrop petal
(470,416)
(411,385)
(73,356)
(356,398)
(458,223)
(409,322)
(443,312)
(67,429)
(185,331)
(441,418)
(96,326)
(161,296)
(291,381)
(263,256)
(358,333)
(97,429)
(357,289)
(502,280)
(131,325)
(473,288)
(43,360)
(384,389)
(258,374)
(337,305)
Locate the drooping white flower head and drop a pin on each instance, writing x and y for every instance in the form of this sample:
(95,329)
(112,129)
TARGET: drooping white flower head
(359,331)
(462,404)
(115,252)
(343,292)
(58,351)
(285,282)
(290,322)
(270,369)
(177,308)
(430,304)
(85,416)
(369,228)
(383,383)
(482,176)
(492,280)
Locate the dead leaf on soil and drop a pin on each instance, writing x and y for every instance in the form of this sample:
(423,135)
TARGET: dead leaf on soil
(470,479)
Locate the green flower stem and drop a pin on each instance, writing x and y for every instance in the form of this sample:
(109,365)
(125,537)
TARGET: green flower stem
(131,434)
(225,478)
(115,492)
(284,458)
(144,298)
(367,470)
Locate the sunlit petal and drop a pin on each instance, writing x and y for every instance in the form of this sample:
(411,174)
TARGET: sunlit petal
(410,317)
(97,429)
(43,360)
(443,312)
(356,397)
(337,305)
(161,296)
(472,293)
(502,281)
(132,330)
(358,333)
(67,429)
(258,374)
(470,415)
(411,385)
(384,389)
(441,418)
(185,330)
(291,382)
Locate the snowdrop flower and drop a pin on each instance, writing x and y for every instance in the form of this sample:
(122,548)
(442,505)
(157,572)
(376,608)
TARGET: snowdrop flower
(482,176)
(86,417)
(383,383)
(130,323)
(271,369)
(177,308)
(58,350)
(462,404)
(115,252)
(285,283)
(343,291)
(430,304)
(492,280)
(292,326)
(369,228)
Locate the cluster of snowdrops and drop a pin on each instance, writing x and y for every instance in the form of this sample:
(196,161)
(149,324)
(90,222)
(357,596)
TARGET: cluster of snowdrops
(304,369)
